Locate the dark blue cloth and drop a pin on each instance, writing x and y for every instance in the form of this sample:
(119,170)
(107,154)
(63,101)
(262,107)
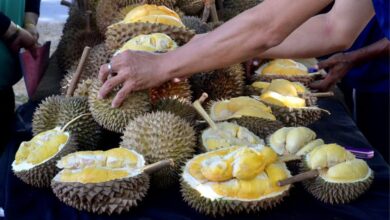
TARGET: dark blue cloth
(25,202)
(382,15)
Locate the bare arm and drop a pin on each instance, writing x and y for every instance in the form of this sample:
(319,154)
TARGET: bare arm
(326,33)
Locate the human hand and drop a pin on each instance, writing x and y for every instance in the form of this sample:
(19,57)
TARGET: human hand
(338,66)
(32,29)
(23,40)
(133,71)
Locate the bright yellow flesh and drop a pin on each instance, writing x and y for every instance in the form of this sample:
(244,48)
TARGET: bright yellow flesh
(153,14)
(328,155)
(93,175)
(284,67)
(217,169)
(284,101)
(42,147)
(283,87)
(150,43)
(260,85)
(348,171)
(248,163)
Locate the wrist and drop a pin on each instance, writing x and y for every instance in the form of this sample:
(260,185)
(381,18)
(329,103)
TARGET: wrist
(169,69)
(12,33)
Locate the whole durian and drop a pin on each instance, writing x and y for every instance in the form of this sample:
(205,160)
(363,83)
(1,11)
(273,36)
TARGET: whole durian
(159,136)
(179,107)
(196,24)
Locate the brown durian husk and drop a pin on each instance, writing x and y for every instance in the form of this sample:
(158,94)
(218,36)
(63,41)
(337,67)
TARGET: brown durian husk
(191,7)
(180,89)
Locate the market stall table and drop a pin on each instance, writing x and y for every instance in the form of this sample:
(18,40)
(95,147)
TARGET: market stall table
(25,202)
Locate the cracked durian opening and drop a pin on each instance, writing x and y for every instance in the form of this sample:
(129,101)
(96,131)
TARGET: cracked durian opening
(229,134)
(285,67)
(156,42)
(337,164)
(40,149)
(153,14)
(239,107)
(248,174)
(99,166)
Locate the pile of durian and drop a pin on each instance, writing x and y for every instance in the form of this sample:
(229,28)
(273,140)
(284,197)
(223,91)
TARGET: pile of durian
(233,157)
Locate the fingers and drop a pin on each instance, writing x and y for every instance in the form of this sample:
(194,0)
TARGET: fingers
(122,94)
(109,85)
(103,73)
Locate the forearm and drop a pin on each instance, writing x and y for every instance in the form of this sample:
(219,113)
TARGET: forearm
(378,49)
(243,37)
(326,33)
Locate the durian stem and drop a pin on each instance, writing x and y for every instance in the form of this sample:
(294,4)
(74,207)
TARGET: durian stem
(88,14)
(73,120)
(77,75)
(287,158)
(206,13)
(66,3)
(299,178)
(323,94)
(151,168)
(198,107)
(214,14)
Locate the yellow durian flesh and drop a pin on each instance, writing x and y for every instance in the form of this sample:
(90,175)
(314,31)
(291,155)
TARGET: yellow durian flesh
(41,148)
(261,85)
(327,155)
(348,171)
(283,87)
(286,67)
(297,138)
(284,101)
(99,166)
(217,169)
(247,164)
(301,89)
(150,43)
(310,146)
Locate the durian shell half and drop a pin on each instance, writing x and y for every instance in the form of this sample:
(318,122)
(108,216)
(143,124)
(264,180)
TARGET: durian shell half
(42,174)
(112,197)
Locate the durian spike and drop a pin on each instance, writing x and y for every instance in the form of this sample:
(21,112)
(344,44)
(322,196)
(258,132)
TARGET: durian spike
(77,75)
(66,3)
(299,178)
(73,120)
(198,107)
(151,168)
(322,94)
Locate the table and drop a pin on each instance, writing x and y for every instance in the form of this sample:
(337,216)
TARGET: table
(25,202)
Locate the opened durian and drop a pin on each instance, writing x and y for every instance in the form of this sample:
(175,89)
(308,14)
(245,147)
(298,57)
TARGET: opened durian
(159,136)
(179,107)
(226,135)
(234,180)
(342,178)
(147,19)
(56,111)
(116,119)
(35,160)
(110,182)
(247,112)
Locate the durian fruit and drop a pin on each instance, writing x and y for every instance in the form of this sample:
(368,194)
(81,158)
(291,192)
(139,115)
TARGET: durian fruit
(247,112)
(159,136)
(116,119)
(232,8)
(285,69)
(147,19)
(180,89)
(290,110)
(98,56)
(56,111)
(226,135)
(196,24)
(178,106)
(191,7)
(35,160)
(342,178)
(234,180)
(102,182)
(219,84)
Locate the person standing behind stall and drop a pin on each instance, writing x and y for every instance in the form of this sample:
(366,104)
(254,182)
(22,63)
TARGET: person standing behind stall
(14,14)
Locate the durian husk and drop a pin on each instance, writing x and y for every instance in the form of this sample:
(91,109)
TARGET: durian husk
(56,111)
(75,21)
(97,57)
(159,136)
(260,126)
(220,207)
(179,107)
(120,33)
(219,84)
(116,119)
(42,174)
(191,7)
(335,193)
(107,11)
(112,197)
(180,89)
(196,24)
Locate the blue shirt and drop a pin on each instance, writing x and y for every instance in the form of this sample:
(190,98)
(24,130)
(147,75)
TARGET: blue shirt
(372,76)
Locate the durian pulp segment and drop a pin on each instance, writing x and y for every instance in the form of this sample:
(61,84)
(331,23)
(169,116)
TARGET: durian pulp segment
(277,140)
(150,43)
(299,87)
(229,134)
(310,146)
(239,107)
(261,185)
(283,87)
(40,149)
(284,101)
(100,166)
(297,138)
(286,67)
(347,172)
(327,155)
(260,85)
